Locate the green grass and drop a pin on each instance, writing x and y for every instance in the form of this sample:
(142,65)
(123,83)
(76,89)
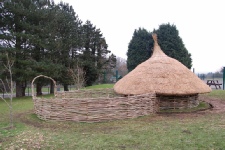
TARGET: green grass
(100,86)
(217,94)
(19,105)
(164,131)
(28,90)
(46,89)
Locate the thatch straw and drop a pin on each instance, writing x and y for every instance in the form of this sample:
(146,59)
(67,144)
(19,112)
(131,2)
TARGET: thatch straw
(161,74)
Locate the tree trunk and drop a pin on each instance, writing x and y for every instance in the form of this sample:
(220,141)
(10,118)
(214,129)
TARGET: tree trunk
(66,87)
(20,89)
(52,88)
(38,89)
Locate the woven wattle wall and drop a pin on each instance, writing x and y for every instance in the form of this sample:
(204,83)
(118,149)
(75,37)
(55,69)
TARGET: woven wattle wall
(80,109)
(178,102)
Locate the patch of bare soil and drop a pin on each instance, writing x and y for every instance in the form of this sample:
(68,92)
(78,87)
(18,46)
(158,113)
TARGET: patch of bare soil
(23,117)
(26,118)
(32,123)
(217,104)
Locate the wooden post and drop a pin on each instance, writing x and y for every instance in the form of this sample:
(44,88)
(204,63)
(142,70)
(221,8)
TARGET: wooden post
(223,77)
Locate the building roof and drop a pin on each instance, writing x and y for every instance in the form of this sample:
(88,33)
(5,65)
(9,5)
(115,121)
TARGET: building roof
(162,75)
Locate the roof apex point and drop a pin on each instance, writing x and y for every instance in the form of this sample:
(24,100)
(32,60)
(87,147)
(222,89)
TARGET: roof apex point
(154,36)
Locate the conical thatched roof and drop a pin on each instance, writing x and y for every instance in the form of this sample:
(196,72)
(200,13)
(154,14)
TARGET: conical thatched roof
(161,74)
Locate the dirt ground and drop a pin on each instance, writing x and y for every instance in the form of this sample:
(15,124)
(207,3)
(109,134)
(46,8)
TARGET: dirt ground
(218,104)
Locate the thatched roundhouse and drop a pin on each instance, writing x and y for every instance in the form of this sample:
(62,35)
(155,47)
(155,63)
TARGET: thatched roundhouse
(173,83)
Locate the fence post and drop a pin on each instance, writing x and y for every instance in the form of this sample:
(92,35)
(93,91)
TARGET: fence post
(223,77)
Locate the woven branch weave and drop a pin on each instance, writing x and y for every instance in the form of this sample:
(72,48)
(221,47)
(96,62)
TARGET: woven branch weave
(93,105)
(104,105)
(94,109)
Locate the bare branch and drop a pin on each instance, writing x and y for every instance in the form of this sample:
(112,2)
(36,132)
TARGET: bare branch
(6,93)
(78,76)
(8,67)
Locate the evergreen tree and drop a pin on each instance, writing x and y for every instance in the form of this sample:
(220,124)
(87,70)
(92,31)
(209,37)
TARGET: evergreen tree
(24,32)
(141,45)
(41,53)
(172,44)
(49,39)
(14,24)
(139,48)
(66,30)
(94,52)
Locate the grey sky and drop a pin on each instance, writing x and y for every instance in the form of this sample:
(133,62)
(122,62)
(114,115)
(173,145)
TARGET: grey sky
(200,23)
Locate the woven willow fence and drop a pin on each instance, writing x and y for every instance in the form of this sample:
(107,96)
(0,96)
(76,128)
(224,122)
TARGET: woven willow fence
(178,102)
(92,105)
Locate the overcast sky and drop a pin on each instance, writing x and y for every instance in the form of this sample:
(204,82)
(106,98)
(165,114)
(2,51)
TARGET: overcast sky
(200,24)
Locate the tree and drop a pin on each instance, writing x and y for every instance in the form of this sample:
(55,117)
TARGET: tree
(78,76)
(141,45)
(121,66)
(108,69)
(172,44)
(94,53)
(41,42)
(8,67)
(12,35)
(218,74)
(66,31)
(42,53)
(139,48)
(44,38)
(21,30)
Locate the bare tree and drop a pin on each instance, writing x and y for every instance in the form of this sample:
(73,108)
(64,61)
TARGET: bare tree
(78,76)
(121,66)
(8,67)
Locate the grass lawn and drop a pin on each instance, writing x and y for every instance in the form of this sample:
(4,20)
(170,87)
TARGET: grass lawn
(217,94)
(170,131)
(100,86)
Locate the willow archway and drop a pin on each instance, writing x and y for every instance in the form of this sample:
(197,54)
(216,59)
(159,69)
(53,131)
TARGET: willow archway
(32,85)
